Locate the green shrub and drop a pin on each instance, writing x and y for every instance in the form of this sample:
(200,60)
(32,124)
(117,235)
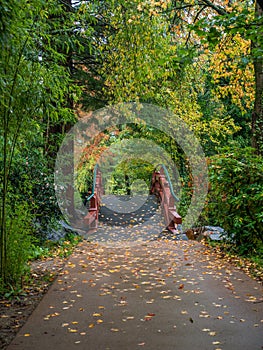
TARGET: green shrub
(18,247)
(236,197)
(31,181)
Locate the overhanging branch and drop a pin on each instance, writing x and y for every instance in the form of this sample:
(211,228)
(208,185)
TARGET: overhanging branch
(220,10)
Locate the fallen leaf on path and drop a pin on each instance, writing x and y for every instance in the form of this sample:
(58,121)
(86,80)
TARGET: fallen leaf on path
(72,330)
(115,330)
(212,334)
(147,318)
(184,312)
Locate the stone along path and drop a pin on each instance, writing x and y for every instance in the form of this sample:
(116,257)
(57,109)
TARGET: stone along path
(153,295)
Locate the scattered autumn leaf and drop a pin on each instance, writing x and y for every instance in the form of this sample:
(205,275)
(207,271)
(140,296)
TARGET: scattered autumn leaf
(114,329)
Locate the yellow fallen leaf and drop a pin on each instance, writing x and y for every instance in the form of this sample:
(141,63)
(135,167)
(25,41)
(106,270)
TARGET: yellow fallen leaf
(114,329)
(72,330)
(99,321)
(147,318)
(91,325)
(27,335)
(184,312)
(96,314)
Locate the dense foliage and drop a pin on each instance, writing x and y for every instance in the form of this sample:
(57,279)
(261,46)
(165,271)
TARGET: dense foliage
(236,196)
(61,59)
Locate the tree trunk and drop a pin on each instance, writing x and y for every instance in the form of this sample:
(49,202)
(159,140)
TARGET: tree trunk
(257,114)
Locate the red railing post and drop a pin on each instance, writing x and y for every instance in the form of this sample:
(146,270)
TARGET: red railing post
(161,188)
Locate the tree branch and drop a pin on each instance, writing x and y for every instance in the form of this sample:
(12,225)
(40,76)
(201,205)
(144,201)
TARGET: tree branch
(195,19)
(220,10)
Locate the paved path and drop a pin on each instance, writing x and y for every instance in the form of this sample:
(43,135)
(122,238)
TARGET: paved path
(157,295)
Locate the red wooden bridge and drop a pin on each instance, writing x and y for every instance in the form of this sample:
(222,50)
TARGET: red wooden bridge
(161,187)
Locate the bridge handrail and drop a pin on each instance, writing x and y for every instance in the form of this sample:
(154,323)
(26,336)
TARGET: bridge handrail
(96,168)
(168,179)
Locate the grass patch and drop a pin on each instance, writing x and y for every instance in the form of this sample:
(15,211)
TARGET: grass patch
(61,248)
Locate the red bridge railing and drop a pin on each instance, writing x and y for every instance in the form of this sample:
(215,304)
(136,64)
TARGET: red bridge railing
(161,186)
(92,217)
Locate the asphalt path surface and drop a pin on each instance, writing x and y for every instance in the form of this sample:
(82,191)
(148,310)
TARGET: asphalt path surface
(158,294)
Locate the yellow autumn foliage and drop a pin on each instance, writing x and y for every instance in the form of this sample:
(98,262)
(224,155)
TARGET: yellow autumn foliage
(143,63)
(232,71)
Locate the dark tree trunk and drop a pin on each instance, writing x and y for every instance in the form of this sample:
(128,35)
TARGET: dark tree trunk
(257,115)
(127,184)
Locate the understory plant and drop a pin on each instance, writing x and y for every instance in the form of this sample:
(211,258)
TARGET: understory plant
(18,247)
(236,197)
